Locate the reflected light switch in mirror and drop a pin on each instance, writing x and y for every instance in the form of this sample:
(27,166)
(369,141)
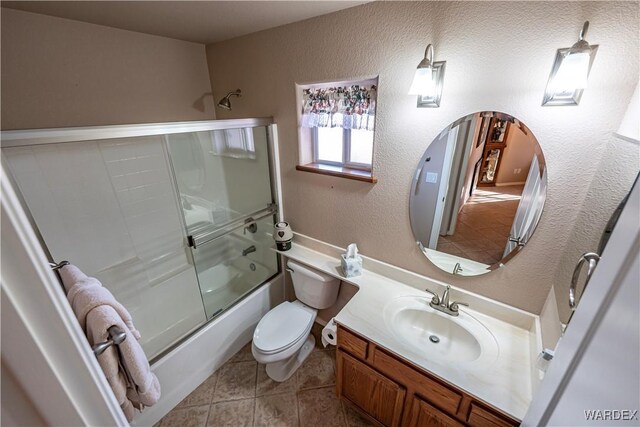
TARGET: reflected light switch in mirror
(431,177)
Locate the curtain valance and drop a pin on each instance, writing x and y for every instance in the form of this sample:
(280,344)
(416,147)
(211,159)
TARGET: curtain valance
(349,107)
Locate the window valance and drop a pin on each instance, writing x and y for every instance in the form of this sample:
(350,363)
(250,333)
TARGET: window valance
(349,107)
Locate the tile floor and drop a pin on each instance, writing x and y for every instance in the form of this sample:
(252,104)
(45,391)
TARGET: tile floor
(483,224)
(241,394)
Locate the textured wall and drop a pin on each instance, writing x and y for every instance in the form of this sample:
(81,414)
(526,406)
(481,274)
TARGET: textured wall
(612,181)
(499,55)
(59,73)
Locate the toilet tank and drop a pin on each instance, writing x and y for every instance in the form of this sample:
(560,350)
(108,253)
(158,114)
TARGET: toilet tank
(312,287)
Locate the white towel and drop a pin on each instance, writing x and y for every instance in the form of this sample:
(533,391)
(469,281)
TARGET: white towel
(125,366)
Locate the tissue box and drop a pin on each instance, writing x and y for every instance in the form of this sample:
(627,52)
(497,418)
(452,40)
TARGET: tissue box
(351,267)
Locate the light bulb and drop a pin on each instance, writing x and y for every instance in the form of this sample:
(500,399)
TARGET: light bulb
(572,73)
(423,82)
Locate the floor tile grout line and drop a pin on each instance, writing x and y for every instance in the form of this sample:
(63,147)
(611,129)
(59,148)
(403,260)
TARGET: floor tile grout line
(255,383)
(213,390)
(344,413)
(255,409)
(235,399)
(298,409)
(253,412)
(316,387)
(206,423)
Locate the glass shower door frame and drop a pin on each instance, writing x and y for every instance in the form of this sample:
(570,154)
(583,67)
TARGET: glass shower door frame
(208,234)
(198,239)
(23,138)
(26,138)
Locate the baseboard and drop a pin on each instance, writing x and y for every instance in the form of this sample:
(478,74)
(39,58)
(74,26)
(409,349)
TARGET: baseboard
(507,184)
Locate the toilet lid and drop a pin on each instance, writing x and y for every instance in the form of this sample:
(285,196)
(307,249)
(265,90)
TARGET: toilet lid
(281,327)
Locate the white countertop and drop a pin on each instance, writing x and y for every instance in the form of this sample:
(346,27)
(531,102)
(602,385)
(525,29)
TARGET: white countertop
(506,383)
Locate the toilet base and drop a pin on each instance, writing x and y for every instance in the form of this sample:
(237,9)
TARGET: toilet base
(282,371)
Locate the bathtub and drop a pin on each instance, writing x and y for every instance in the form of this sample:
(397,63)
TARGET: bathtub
(185,367)
(229,281)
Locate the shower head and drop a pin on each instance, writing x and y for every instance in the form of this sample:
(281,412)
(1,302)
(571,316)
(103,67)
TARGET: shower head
(225,102)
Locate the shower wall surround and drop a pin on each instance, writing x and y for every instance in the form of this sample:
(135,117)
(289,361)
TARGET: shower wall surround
(108,207)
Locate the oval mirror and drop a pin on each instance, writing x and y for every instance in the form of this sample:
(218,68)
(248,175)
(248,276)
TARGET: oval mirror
(478,193)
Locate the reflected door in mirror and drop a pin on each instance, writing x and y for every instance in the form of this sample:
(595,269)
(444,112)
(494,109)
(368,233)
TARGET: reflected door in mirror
(478,193)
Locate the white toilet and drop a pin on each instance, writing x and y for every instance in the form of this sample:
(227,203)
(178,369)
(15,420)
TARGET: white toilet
(282,340)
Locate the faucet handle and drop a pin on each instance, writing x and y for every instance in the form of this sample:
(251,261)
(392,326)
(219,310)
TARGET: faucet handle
(435,299)
(455,305)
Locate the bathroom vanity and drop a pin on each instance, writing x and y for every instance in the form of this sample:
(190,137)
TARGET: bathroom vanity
(402,363)
(407,357)
(395,392)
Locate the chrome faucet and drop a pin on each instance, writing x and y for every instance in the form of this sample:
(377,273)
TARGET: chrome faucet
(250,224)
(442,304)
(457,268)
(247,251)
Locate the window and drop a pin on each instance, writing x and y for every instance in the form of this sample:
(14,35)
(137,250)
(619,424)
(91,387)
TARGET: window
(337,127)
(237,143)
(351,148)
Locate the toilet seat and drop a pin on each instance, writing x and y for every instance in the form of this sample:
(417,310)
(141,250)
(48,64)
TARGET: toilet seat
(283,340)
(283,327)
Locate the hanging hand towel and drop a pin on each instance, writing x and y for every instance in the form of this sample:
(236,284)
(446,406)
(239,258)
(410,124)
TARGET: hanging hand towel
(125,366)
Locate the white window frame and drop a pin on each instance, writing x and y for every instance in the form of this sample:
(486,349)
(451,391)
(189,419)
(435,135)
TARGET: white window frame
(346,152)
(222,146)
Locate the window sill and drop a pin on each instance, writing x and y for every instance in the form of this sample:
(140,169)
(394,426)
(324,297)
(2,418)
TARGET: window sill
(342,172)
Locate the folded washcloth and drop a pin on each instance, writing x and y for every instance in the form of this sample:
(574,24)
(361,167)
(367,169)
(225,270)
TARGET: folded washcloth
(125,366)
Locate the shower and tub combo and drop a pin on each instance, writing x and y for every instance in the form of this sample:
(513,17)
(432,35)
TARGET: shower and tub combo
(175,219)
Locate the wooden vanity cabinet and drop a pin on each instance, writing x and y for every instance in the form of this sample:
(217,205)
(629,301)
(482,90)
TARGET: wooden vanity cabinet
(484,418)
(395,393)
(370,391)
(425,415)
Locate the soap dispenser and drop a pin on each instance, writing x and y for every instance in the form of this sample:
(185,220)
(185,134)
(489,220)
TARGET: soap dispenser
(283,236)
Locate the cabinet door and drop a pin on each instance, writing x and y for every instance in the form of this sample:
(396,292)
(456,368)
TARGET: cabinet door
(480,417)
(372,392)
(425,415)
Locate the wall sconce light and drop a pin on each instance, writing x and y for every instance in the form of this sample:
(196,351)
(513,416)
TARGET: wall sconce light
(427,81)
(225,102)
(570,71)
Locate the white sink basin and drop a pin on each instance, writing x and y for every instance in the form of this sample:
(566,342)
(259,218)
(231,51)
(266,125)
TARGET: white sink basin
(438,336)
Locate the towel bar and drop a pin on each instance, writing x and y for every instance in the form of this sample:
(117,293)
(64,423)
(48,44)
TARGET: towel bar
(116,335)
(55,267)
(59,265)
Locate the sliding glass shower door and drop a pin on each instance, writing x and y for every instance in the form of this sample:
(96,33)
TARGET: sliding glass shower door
(109,207)
(173,218)
(225,193)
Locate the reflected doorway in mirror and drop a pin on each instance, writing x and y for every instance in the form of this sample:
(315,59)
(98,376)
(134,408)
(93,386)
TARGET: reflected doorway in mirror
(478,193)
